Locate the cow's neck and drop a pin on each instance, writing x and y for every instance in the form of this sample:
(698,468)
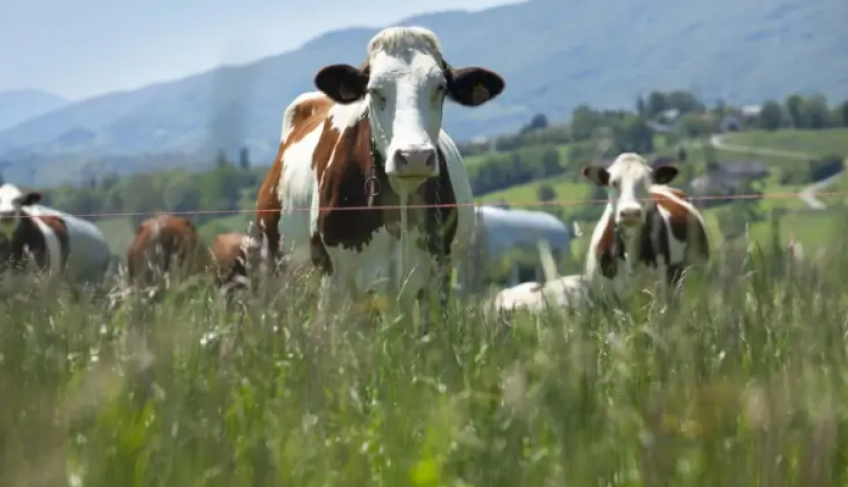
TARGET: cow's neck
(631,240)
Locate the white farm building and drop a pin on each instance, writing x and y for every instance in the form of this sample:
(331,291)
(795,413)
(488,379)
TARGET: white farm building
(502,230)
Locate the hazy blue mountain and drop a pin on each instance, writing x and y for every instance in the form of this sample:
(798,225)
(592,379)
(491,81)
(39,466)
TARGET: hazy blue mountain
(17,106)
(554,54)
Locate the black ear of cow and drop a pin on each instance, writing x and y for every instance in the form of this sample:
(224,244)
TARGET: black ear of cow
(30,198)
(597,174)
(343,83)
(664,174)
(473,87)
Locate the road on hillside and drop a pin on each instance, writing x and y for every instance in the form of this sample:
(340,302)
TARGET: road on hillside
(808,194)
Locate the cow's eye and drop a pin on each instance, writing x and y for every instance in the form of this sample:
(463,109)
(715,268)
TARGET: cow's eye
(378,96)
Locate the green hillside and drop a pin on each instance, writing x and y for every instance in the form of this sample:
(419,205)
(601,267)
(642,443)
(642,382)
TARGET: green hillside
(808,227)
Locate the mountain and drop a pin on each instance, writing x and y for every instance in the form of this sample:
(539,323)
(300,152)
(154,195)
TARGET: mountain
(554,55)
(20,105)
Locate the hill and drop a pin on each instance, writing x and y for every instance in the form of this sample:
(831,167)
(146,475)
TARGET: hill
(555,57)
(17,106)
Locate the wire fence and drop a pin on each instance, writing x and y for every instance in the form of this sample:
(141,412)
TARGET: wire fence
(523,204)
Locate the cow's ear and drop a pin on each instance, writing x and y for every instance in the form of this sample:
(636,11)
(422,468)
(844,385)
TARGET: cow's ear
(30,198)
(597,175)
(474,86)
(664,174)
(343,83)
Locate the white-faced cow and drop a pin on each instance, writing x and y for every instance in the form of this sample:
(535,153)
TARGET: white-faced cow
(372,137)
(58,243)
(644,220)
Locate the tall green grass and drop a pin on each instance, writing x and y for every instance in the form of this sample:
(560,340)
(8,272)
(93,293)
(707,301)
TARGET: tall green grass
(740,382)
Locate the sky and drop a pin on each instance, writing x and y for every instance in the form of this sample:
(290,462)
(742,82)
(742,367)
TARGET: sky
(80,48)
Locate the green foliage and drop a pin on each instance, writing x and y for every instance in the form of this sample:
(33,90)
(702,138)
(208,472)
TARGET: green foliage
(219,189)
(546,192)
(771,116)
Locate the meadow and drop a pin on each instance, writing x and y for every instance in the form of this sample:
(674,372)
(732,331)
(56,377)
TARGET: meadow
(740,379)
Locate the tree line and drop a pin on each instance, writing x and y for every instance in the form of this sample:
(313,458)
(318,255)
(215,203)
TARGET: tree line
(536,151)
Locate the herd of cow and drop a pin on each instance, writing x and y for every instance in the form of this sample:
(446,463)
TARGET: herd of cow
(370,191)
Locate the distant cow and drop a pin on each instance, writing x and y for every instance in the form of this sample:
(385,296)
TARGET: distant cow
(57,243)
(162,243)
(635,230)
(370,135)
(232,256)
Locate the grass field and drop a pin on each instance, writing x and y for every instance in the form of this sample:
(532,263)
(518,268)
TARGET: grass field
(739,383)
(826,142)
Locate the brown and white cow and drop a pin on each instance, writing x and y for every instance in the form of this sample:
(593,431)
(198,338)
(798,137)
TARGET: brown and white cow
(644,220)
(372,137)
(59,244)
(231,257)
(161,243)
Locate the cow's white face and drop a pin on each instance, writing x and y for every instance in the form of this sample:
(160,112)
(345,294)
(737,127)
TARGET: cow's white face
(12,202)
(405,82)
(628,182)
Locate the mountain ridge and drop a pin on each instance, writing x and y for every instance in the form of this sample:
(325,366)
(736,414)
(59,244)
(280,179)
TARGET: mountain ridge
(553,58)
(18,106)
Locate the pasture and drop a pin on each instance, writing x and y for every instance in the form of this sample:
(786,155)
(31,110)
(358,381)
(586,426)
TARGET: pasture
(740,382)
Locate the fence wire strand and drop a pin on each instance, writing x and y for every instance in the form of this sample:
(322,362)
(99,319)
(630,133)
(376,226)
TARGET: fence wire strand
(522,204)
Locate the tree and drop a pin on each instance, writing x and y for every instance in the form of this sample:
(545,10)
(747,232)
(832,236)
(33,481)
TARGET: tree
(843,110)
(720,108)
(633,134)
(641,108)
(550,162)
(683,101)
(221,159)
(771,116)
(656,103)
(584,120)
(794,105)
(244,158)
(142,196)
(539,122)
(545,193)
(817,111)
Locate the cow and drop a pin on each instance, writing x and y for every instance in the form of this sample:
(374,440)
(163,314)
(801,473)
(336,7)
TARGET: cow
(357,153)
(666,227)
(60,245)
(161,243)
(562,292)
(231,258)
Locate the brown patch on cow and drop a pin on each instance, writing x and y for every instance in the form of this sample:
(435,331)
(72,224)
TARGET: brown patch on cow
(29,239)
(155,251)
(679,193)
(676,212)
(307,116)
(343,186)
(679,217)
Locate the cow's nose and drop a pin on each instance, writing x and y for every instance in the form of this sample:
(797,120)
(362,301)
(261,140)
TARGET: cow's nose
(415,162)
(630,216)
